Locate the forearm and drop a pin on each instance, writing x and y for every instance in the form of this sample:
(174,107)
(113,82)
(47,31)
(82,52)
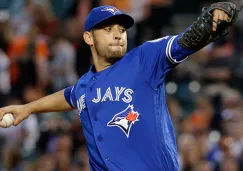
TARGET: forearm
(53,103)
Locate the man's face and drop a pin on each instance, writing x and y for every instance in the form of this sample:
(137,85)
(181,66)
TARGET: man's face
(110,41)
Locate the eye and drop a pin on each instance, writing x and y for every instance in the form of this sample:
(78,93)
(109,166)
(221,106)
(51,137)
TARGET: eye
(122,30)
(117,119)
(108,29)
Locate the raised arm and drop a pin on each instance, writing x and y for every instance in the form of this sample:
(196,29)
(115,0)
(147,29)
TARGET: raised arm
(53,103)
(159,56)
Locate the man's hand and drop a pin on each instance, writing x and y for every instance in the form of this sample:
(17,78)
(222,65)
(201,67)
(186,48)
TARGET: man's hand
(20,112)
(219,15)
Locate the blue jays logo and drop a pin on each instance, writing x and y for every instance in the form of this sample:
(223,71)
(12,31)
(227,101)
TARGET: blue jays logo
(124,119)
(112,10)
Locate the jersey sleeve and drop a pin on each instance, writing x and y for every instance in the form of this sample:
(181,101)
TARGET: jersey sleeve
(70,96)
(159,56)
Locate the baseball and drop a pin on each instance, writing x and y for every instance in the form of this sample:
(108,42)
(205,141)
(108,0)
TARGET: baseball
(7,121)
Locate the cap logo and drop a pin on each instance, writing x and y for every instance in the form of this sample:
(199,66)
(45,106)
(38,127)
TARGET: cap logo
(112,10)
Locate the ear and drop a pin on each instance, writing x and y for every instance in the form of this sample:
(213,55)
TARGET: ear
(88,38)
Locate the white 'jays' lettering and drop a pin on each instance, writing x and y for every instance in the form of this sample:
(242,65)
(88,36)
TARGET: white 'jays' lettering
(107,95)
(128,97)
(121,93)
(98,96)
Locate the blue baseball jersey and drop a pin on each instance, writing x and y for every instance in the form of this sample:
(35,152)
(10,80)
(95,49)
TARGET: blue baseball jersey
(123,110)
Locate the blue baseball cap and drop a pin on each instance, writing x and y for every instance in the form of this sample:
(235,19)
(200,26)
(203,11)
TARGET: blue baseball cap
(105,13)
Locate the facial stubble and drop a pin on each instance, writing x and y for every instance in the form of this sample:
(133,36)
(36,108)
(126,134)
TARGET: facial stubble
(108,54)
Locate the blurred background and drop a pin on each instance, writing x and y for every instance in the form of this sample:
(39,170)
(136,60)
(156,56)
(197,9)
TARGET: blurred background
(42,51)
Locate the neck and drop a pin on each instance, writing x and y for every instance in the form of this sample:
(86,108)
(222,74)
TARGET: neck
(100,63)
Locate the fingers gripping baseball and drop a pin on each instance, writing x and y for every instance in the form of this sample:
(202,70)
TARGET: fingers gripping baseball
(19,119)
(5,110)
(20,113)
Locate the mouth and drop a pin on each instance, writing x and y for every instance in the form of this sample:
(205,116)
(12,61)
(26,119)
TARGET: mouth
(121,45)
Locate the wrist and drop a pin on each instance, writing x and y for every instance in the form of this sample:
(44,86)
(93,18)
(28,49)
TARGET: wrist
(29,108)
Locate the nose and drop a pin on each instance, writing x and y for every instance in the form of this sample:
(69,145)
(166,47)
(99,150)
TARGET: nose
(117,34)
(117,37)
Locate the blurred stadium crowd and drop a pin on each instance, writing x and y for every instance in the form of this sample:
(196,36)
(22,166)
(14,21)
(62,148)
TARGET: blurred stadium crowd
(42,51)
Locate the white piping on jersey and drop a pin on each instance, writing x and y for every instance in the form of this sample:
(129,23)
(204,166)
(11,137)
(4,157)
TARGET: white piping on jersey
(167,47)
(172,39)
(78,105)
(71,97)
(168,51)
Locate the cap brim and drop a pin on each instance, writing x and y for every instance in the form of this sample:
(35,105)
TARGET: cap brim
(122,19)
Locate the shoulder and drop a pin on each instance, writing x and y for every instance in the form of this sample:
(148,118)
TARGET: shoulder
(79,87)
(82,80)
(132,53)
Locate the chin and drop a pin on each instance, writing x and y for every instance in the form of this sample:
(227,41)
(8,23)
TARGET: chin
(116,54)
(113,60)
